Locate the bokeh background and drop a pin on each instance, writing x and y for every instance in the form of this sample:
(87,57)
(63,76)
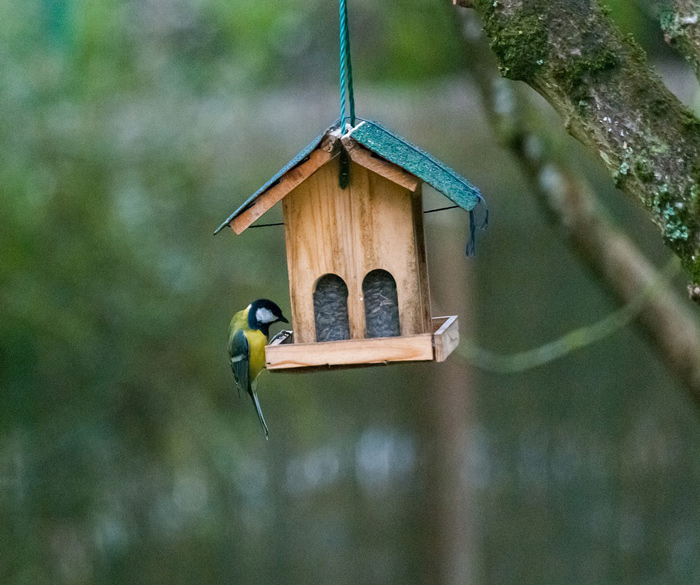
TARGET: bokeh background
(129,131)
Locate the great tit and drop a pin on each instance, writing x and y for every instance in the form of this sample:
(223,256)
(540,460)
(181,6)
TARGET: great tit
(247,338)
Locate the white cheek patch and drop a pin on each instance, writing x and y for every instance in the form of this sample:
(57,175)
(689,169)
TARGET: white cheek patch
(263,315)
(237,359)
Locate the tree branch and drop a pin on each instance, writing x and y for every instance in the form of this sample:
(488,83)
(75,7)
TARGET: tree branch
(571,206)
(599,82)
(681,26)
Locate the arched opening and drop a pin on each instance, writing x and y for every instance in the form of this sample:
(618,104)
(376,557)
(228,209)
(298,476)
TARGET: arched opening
(331,308)
(381,305)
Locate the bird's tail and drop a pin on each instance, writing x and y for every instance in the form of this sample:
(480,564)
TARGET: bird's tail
(261,418)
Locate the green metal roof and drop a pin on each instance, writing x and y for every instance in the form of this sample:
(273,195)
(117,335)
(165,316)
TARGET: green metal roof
(396,150)
(417,162)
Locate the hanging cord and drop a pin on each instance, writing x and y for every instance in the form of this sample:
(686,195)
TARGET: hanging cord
(279,223)
(441,209)
(346,87)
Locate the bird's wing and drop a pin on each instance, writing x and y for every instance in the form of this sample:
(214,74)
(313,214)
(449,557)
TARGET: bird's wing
(240,358)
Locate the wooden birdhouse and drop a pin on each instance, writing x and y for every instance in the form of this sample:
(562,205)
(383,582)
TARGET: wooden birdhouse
(358,275)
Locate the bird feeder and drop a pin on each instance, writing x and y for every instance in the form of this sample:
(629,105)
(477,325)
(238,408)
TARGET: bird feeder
(358,274)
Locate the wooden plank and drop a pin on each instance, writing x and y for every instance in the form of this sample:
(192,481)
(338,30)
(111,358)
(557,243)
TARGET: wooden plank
(382,167)
(446,337)
(283,355)
(353,351)
(287,183)
(321,238)
(388,241)
(421,258)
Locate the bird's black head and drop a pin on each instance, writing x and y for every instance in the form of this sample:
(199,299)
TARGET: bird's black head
(262,314)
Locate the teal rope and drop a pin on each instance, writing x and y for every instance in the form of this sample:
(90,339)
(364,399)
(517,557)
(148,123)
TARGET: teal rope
(351,91)
(346,87)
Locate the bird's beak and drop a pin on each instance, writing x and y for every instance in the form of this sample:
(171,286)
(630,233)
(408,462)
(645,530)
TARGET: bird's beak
(283,319)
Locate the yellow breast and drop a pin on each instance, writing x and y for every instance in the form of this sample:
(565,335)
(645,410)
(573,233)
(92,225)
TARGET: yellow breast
(256,342)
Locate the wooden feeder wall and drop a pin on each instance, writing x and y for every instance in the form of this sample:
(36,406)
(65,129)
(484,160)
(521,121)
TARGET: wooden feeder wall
(373,224)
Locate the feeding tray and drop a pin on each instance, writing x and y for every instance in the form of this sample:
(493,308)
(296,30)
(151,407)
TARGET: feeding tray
(282,355)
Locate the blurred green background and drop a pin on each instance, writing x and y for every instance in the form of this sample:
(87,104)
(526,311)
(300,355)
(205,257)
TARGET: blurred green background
(129,131)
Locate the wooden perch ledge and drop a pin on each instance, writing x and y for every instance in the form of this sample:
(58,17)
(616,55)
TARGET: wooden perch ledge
(599,82)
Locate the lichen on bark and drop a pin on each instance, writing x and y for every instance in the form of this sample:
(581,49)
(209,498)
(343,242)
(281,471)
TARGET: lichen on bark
(680,21)
(600,83)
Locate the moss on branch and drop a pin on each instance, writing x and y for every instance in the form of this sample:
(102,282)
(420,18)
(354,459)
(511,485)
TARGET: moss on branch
(528,30)
(599,81)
